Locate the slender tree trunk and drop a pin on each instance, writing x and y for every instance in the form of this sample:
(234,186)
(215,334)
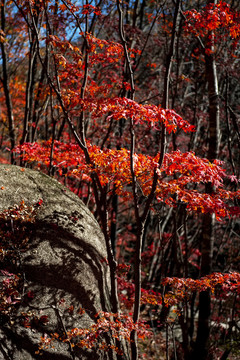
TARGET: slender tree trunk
(165,104)
(114,215)
(201,351)
(203,331)
(11,128)
(29,95)
(141,220)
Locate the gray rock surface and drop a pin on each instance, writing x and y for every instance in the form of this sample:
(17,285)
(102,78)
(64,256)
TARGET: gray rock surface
(63,266)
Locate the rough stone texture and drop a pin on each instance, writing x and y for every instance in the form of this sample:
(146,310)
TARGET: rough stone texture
(63,261)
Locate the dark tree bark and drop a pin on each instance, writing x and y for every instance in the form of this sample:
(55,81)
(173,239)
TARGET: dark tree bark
(29,95)
(201,351)
(5,69)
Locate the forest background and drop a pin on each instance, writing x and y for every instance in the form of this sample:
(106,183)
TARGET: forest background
(134,106)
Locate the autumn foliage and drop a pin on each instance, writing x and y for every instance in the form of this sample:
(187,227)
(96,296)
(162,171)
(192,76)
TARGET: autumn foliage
(121,103)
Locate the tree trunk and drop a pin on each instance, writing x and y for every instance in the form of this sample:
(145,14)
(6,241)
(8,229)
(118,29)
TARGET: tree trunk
(11,129)
(201,351)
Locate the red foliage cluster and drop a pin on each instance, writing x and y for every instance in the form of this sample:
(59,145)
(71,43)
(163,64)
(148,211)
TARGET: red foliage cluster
(9,292)
(229,284)
(219,18)
(120,327)
(113,167)
(213,17)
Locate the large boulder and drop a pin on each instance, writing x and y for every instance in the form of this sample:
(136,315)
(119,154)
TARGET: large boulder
(62,269)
